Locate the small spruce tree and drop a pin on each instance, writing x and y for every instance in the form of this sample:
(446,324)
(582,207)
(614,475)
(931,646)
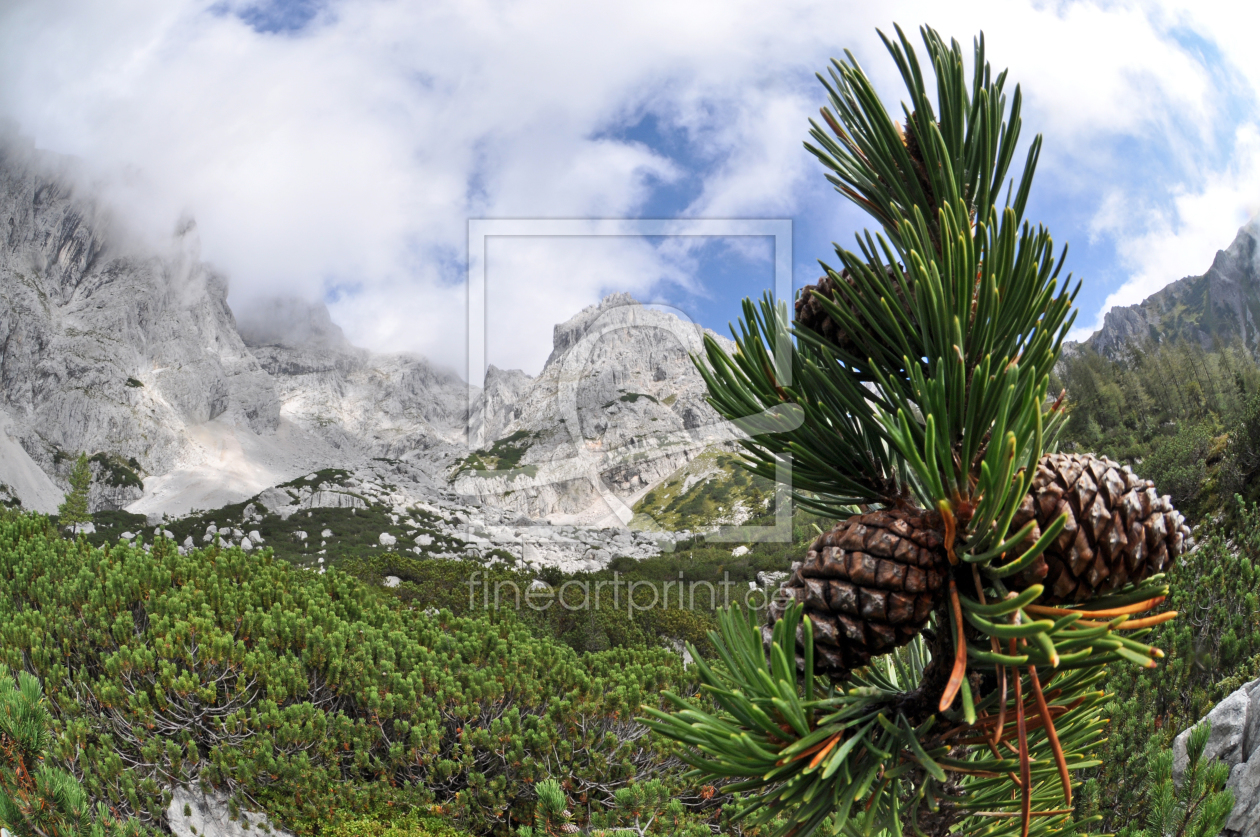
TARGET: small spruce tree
(75,508)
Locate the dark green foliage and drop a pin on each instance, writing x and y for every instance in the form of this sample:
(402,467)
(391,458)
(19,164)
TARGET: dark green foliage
(132,382)
(306,694)
(503,455)
(648,808)
(1187,418)
(389,823)
(631,397)
(74,509)
(37,799)
(117,471)
(1199,809)
(1212,650)
(703,494)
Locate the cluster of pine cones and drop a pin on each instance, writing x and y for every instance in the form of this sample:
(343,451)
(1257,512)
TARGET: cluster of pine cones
(870,584)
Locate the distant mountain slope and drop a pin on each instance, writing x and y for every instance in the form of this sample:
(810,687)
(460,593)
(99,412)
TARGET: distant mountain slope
(1220,305)
(131,353)
(617,408)
(107,348)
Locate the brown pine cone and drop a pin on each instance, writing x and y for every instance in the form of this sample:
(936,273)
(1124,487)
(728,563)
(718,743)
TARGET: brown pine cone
(1118,528)
(868,586)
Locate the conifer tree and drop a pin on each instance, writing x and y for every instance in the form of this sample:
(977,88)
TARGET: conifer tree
(933,663)
(74,510)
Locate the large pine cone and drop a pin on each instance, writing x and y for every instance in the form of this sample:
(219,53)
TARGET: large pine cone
(868,585)
(1118,529)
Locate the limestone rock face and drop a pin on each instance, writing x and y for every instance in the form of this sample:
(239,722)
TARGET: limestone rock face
(617,408)
(208,816)
(387,406)
(1221,304)
(108,345)
(128,348)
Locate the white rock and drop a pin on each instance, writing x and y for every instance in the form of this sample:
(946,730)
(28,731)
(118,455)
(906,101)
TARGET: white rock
(212,529)
(188,542)
(300,535)
(387,539)
(209,817)
(1229,724)
(238,534)
(254,536)
(327,533)
(88,528)
(392,581)
(246,545)
(127,535)
(424,540)
(739,550)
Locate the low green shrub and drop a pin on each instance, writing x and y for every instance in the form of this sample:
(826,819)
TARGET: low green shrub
(309,695)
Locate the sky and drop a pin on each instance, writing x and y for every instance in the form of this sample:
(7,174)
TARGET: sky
(336,150)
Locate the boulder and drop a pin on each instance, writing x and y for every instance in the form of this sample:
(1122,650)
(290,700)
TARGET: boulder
(1229,724)
(390,580)
(207,816)
(387,539)
(246,545)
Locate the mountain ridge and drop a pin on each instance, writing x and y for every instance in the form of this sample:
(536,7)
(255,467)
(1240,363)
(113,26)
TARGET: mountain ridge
(1217,306)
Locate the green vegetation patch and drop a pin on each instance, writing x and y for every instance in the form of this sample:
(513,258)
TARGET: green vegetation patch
(134,382)
(329,700)
(118,472)
(503,455)
(703,492)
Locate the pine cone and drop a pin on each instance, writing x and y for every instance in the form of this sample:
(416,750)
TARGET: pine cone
(811,314)
(1118,529)
(868,586)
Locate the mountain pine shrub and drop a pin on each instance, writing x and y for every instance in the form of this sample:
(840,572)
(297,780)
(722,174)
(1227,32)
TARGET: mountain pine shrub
(308,696)
(36,798)
(933,664)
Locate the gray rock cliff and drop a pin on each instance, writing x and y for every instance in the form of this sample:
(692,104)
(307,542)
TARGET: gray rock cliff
(1220,305)
(1234,740)
(104,346)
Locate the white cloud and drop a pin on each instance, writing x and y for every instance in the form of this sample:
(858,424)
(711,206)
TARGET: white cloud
(1158,246)
(350,154)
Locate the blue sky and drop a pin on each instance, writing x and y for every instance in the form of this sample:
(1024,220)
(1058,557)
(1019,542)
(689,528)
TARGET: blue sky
(335,150)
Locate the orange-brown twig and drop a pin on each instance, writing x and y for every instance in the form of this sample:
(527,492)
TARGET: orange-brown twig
(960,651)
(822,754)
(1025,769)
(1047,720)
(1136,607)
(951,530)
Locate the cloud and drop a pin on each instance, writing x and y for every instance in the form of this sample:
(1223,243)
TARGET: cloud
(1158,246)
(336,150)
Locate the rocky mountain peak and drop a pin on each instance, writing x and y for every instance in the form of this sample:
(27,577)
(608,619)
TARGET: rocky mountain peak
(1220,305)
